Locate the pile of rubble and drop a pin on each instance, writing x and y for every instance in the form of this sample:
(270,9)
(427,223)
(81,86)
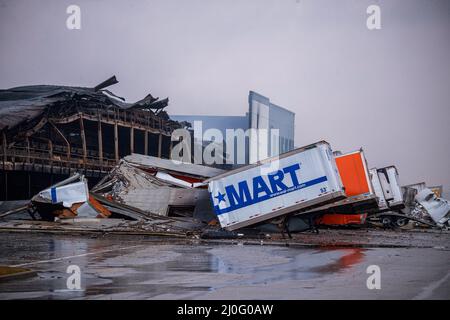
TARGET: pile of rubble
(160,186)
(150,195)
(142,194)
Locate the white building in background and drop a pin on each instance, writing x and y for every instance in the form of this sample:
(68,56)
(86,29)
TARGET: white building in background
(269,127)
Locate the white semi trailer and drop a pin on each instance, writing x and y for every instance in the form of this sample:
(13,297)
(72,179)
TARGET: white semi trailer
(385,182)
(290,183)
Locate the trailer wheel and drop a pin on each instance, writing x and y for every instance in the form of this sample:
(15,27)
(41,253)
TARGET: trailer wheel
(401,222)
(386,221)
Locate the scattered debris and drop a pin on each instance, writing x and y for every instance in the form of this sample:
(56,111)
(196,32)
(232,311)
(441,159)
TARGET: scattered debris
(160,186)
(17,209)
(437,190)
(68,199)
(437,208)
(302,189)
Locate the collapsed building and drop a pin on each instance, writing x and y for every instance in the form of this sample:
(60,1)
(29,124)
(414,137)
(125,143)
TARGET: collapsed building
(48,132)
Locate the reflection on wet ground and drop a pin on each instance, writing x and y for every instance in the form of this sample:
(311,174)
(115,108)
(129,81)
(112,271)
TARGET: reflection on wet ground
(349,258)
(127,268)
(143,268)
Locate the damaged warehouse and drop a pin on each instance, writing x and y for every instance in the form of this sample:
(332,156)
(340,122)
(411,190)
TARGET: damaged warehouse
(49,132)
(137,194)
(254,155)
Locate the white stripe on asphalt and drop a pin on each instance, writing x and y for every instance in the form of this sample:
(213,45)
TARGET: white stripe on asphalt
(428,290)
(75,256)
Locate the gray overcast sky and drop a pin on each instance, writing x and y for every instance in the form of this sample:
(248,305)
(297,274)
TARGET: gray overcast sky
(387,90)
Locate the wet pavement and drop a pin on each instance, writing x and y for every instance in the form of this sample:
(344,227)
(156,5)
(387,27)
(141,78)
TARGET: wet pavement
(143,268)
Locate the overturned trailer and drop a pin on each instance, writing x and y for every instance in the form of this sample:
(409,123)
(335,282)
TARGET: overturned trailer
(361,198)
(49,132)
(287,184)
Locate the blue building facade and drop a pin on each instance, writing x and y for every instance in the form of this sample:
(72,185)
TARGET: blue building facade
(269,130)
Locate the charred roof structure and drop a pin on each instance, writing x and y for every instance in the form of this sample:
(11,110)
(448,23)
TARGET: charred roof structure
(48,132)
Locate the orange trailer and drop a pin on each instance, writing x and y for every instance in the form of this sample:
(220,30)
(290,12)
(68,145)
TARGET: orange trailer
(354,173)
(356,180)
(337,219)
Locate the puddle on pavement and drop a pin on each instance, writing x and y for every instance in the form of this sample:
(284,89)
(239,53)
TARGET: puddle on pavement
(139,273)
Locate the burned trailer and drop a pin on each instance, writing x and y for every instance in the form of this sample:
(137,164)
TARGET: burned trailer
(49,132)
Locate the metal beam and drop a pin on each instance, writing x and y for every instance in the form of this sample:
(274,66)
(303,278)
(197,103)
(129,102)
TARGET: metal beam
(83,139)
(122,123)
(159,145)
(27,140)
(146,142)
(50,152)
(37,127)
(100,140)
(4,146)
(116,141)
(5,158)
(131,140)
(62,136)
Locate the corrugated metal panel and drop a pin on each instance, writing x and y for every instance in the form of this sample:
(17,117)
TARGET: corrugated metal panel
(172,165)
(187,197)
(151,200)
